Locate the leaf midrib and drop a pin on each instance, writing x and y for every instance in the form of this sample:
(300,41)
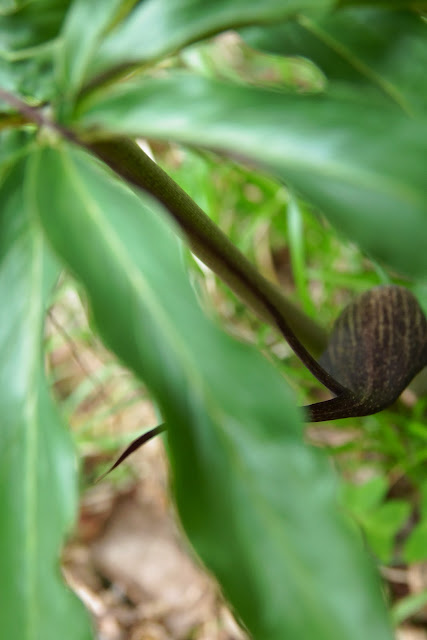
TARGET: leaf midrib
(346,54)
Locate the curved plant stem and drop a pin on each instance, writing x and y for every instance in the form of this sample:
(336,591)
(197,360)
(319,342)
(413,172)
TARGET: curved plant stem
(208,242)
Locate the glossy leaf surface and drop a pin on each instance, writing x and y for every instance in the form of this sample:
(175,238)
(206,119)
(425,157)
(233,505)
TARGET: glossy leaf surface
(382,48)
(157,28)
(30,26)
(361,163)
(14,144)
(82,32)
(38,490)
(28,37)
(257,503)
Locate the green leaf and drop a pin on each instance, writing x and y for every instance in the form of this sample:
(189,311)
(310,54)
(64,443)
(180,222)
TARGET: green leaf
(415,549)
(83,28)
(416,545)
(408,606)
(37,466)
(14,143)
(28,38)
(382,525)
(415,5)
(380,520)
(361,498)
(32,26)
(362,164)
(32,77)
(9,6)
(156,28)
(257,503)
(366,46)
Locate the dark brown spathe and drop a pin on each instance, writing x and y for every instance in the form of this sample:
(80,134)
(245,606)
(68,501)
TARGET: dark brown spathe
(378,344)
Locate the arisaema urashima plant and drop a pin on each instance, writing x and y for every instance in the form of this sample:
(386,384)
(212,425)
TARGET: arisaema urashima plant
(80,82)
